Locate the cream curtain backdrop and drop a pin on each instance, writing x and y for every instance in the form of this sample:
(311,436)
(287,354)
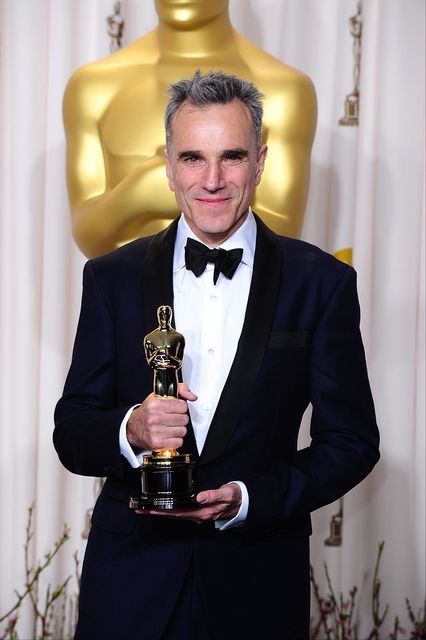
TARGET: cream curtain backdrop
(367,191)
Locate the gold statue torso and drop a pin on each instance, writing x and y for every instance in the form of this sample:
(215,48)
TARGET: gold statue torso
(113,115)
(164,349)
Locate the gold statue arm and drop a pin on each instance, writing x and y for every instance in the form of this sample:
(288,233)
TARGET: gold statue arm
(94,200)
(161,358)
(281,197)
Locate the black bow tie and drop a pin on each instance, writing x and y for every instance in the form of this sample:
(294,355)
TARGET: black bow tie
(197,255)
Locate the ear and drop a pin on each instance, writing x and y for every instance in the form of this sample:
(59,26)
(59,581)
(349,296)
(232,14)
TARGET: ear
(169,170)
(260,162)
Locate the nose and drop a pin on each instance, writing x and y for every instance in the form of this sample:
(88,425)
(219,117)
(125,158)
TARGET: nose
(213,178)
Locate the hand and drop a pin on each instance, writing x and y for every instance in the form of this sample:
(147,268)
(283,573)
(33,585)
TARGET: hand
(215,504)
(160,423)
(160,360)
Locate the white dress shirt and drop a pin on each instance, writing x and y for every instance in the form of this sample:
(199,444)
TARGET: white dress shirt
(211,318)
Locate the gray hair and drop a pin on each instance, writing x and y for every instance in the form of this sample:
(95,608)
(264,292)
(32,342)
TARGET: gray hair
(214,87)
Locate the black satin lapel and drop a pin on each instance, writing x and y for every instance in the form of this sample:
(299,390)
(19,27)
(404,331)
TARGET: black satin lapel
(253,341)
(157,278)
(157,290)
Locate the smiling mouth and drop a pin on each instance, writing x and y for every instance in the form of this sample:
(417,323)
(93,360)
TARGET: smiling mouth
(212,201)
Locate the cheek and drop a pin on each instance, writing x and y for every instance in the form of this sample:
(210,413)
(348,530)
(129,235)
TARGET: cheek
(169,174)
(185,181)
(242,179)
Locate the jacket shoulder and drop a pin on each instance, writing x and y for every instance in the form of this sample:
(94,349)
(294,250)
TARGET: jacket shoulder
(128,253)
(299,254)
(121,263)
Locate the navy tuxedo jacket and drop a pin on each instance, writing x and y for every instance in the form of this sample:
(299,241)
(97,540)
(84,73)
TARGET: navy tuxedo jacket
(300,344)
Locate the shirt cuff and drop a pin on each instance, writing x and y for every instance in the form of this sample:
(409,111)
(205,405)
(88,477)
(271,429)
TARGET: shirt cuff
(239,519)
(134,459)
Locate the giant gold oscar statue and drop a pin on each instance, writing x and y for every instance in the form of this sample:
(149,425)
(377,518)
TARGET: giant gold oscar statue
(113,116)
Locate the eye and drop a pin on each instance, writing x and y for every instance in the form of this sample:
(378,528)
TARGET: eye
(234,157)
(192,160)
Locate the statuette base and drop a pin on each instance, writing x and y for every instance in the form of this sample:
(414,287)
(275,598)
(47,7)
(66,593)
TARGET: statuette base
(167,483)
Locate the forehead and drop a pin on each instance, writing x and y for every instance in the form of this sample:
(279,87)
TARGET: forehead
(217,125)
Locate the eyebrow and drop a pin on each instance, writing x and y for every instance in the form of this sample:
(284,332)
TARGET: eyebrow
(188,154)
(239,151)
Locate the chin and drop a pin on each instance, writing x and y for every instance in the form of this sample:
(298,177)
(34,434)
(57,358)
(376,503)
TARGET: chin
(187,14)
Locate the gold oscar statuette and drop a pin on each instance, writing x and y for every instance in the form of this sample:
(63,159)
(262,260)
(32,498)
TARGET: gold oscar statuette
(166,475)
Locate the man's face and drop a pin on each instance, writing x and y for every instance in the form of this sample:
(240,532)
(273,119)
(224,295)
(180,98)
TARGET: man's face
(213,167)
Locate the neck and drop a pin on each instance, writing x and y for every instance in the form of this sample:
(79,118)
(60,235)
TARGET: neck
(199,42)
(211,239)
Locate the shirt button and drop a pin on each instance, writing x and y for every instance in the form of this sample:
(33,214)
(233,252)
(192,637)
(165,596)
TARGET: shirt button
(207,406)
(213,298)
(211,352)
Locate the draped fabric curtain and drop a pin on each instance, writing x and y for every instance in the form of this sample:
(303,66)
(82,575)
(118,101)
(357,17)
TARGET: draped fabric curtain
(367,192)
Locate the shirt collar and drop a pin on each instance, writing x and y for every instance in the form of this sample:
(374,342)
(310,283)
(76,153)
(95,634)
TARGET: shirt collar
(244,238)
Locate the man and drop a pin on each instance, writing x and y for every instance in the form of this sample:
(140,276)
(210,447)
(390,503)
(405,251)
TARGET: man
(260,346)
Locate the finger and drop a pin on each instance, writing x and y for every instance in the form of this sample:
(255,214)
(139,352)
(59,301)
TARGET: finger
(213,497)
(169,405)
(227,494)
(185,393)
(166,443)
(162,416)
(170,420)
(165,437)
(165,431)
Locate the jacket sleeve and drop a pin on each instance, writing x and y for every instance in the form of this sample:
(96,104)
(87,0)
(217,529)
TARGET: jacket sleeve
(344,435)
(87,418)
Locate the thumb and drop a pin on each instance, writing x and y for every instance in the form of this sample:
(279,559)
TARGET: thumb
(185,393)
